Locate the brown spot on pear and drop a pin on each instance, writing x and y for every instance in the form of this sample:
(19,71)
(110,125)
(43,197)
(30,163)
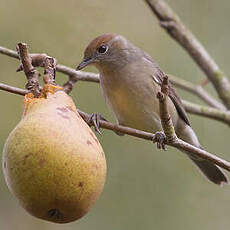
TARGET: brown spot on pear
(44,149)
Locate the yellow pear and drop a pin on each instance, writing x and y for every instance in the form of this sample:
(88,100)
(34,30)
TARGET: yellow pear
(52,161)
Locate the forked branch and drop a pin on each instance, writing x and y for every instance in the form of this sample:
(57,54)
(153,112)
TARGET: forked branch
(171,22)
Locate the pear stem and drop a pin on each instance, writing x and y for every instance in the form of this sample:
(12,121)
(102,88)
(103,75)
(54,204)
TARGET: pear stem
(50,65)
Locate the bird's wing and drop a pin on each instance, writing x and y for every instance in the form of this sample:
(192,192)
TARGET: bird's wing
(158,77)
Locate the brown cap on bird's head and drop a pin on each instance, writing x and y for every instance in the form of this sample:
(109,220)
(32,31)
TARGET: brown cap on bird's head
(97,42)
(101,49)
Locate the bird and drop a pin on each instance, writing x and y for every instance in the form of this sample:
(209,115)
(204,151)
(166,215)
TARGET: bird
(130,80)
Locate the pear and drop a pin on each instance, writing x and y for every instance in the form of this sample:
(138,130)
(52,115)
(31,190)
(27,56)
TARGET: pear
(52,161)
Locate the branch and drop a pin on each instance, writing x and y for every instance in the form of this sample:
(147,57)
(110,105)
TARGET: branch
(177,30)
(205,111)
(38,60)
(171,137)
(68,86)
(197,90)
(177,143)
(32,74)
(78,75)
(75,76)
(13,89)
(166,120)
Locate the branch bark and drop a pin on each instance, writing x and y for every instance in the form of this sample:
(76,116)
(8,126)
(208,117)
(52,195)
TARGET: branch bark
(166,120)
(170,21)
(38,61)
(197,90)
(205,111)
(32,74)
(13,89)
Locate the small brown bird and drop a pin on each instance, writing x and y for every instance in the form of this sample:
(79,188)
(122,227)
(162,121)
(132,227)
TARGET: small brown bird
(130,80)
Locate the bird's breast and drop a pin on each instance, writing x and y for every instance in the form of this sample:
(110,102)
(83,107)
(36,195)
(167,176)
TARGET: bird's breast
(132,100)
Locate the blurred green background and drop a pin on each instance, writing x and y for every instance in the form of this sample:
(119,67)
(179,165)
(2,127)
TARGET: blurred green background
(145,188)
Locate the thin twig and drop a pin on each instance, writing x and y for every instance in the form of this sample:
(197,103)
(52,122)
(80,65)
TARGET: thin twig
(184,146)
(78,75)
(32,74)
(38,60)
(170,21)
(171,137)
(197,90)
(206,111)
(68,86)
(166,120)
(13,89)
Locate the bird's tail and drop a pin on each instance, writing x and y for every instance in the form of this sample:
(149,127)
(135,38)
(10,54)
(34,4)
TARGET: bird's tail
(211,171)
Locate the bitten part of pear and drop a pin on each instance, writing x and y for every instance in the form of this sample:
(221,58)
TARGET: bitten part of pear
(52,161)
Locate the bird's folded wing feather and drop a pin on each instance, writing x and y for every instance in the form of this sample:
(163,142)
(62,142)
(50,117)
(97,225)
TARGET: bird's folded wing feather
(158,77)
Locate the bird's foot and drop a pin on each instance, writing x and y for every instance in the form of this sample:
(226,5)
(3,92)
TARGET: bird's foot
(94,120)
(160,139)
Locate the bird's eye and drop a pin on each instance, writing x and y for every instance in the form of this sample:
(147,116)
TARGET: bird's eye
(102,49)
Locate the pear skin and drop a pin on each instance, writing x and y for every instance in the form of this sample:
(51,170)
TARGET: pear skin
(52,161)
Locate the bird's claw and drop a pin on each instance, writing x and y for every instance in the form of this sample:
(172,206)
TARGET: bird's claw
(160,139)
(94,120)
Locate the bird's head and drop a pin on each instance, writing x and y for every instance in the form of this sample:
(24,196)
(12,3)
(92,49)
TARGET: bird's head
(108,49)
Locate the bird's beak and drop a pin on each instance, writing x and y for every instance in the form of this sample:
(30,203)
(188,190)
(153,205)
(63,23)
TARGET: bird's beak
(84,63)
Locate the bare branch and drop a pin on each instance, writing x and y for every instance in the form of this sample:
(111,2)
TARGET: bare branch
(38,60)
(173,25)
(166,120)
(78,75)
(197,90)
(14,90)
(205,111)
(184,146)
(68,86)
(8,52)
(172,139)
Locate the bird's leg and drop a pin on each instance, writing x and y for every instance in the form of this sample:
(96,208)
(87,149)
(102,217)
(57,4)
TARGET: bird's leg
(160,139)
(94,120)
